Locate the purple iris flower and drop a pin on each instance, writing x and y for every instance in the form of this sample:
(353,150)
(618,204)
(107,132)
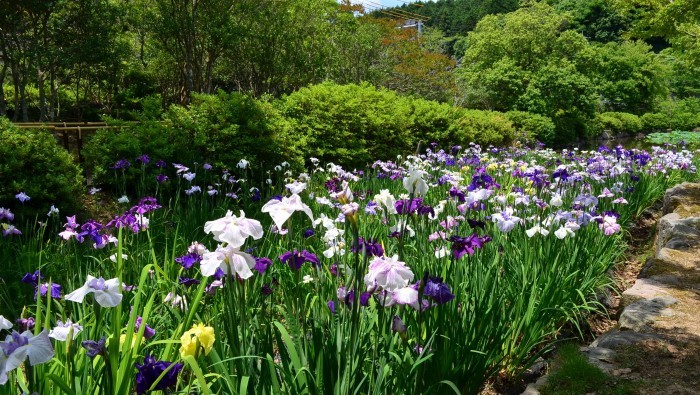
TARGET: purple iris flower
(334,185)
(408,206)
(437,290)
(145,159)
(161,163)
(22,197)
(296,258)
(161,178)
(481,179)
(255,195)
(467,245)
(32,278)
(331,306)
(261,264)
(369,247)
(146,205)
(121,164)
(95,348)
(188,282)
(364,299)
(150,371)
(148,332)
(461,197)
(43,289)
(188,260)
(25,324)
(7,214)
(309,232)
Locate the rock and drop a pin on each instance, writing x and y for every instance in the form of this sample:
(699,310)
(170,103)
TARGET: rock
(616,338)
(678,233)
(643,288)
(639,315)
(604,358)
(686,194)
(606,135)
(620,372)
(534,388)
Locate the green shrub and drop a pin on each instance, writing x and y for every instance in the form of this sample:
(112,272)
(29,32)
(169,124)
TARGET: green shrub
(604,122)
(350,124)
(630,123)
(357,124)
(655,122)
(533,126)
(682,114)
(482,127)
(219,129)
(32,162)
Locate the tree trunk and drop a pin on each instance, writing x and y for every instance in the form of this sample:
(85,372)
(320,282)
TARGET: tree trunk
(41,78)
(15,82)
(52,94)
(3,105)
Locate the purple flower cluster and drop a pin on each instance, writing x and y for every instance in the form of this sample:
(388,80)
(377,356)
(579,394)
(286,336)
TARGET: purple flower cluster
(297,258)
(467,245)
(151,370)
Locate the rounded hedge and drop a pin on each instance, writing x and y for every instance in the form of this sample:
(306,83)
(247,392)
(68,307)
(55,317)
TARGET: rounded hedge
(33,163)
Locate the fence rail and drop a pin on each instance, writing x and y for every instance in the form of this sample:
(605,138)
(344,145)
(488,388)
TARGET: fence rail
(63,131)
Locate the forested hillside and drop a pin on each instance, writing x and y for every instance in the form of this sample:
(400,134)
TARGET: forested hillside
(576,62)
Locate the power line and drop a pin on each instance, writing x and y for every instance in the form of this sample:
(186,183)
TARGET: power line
(402,13)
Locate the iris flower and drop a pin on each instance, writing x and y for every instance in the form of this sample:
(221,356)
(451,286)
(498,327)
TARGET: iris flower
(107,292)
(234,230)
(230,260)
(388,274)
(151,370)
(17,347)
(282,210)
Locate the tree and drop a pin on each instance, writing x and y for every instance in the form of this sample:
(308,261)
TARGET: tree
(630,77)
(528,60)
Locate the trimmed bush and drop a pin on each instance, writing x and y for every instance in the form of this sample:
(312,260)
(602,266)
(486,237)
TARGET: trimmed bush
(533,126)
(349,124)
(630,123)
(357,124)
(32,162)
(655,122)
(483,127)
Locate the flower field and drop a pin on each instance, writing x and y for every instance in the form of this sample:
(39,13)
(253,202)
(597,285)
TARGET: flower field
(427,274)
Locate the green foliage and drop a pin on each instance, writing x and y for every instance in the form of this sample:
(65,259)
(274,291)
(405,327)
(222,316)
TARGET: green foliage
(350,124)
(458,17)
(532,126)
(357,124)
(219,129)
(629,77)
(597,20)
(652,122)
(483,127)
(681,114)
(33,163)
(675,137)
(618,123)
(527,60)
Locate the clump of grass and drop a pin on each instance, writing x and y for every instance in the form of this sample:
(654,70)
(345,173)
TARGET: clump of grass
(572,374)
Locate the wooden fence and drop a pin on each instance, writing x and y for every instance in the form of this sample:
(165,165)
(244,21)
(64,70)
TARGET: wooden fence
(67,131)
